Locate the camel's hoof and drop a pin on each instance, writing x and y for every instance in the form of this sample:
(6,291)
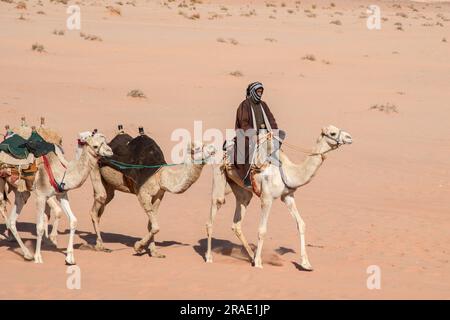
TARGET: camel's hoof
(257,264)
(28,256)
(100,247)
(70,259)
(156,254)
(70,262)
(209,259)
(139,248)
(306,266)
(54,240)
(38,259)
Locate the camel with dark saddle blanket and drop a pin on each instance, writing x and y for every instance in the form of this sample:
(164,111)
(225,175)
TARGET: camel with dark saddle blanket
(141,150)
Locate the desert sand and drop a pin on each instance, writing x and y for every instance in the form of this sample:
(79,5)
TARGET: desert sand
(384,200)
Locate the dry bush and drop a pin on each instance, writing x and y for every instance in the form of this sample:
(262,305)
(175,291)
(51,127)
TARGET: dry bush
(336,22)
(444,40)
(401,14)
(40,12)
(37,47)
(136,93)
(309,57)
(233,41)
(326,62)
(194,16)
(7,1)
(60,1)
(236,73)
(114,11)
(270,40)
(58,32)
(386,108)
(21,5)
(90,37)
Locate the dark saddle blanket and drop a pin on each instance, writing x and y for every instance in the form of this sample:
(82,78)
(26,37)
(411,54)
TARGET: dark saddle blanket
(141,150)
(20,148)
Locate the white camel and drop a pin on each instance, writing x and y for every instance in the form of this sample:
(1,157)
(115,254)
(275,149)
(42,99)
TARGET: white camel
(271,183)
(66,178)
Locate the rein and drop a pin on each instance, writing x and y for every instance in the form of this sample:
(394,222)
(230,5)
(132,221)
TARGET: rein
(59,187)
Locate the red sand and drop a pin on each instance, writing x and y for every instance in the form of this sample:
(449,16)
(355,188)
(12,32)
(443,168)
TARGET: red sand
(385,200)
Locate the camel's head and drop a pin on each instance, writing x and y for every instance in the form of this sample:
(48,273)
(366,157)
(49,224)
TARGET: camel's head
(200,152)
(96,143)
(335,137)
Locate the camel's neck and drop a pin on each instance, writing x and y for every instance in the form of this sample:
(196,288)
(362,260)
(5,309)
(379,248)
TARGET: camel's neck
(178,179)
(77,170)
(301,174)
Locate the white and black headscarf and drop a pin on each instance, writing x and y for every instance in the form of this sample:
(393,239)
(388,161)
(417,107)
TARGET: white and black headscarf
(251,91)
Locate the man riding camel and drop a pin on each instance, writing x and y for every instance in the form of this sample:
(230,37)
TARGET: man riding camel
(253,117)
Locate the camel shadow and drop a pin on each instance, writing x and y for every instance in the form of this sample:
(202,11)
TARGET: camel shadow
(223,247)
(88,237)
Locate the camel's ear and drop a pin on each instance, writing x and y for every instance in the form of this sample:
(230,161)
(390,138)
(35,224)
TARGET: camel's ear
(325,130)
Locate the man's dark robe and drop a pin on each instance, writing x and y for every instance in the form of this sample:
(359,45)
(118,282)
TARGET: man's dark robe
(244,121)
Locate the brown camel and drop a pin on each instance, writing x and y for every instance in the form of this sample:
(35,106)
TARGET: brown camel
(149,185)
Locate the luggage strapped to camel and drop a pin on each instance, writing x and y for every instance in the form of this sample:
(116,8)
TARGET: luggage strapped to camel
(19,160)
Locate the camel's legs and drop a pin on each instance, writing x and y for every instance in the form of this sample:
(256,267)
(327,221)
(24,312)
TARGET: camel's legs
(153,228)
(290,202)
(243,198)
(40,226)
(53,204)
(70,259)
(103,194)
(266,205)
(3,208)
(19,201)
(217,200)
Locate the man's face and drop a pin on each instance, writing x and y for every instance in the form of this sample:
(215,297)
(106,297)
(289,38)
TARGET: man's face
(260,91)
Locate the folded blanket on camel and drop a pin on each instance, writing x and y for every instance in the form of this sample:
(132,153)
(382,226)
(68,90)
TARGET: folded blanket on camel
(141,150)
(21,148)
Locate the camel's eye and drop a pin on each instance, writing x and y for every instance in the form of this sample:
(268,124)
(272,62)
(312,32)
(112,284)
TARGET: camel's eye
(333,134)
(95,147)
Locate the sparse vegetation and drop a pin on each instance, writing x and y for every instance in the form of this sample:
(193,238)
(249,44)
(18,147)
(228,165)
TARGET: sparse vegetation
(136,93)
(60,1)
(114,11)
(90,37)
(386,108)
(336,22)
(21,5)
(309,57)
(270,39)
(38,47)
(236,73)
(58,32)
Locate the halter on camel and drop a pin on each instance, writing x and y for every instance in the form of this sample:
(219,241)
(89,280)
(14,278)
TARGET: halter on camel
(255,169)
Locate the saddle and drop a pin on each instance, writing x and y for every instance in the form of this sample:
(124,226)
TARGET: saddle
(229,158)
(141,150)
(18,157)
